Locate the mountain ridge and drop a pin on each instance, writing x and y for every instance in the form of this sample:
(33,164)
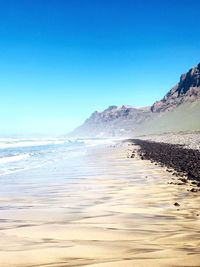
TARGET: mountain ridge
(188,89)
(126,120)
(113,121)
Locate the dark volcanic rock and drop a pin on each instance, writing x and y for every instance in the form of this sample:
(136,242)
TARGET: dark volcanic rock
(176,204)
(184,180)
(194,190)
(182,160)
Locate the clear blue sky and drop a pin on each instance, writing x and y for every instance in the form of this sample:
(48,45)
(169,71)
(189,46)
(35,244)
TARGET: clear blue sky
(61,60)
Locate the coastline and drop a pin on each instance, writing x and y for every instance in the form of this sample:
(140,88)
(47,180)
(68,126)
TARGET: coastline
(99,209)
(181,161)
(186,139)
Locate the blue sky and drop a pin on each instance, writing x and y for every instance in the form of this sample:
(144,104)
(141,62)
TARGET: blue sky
(61,60)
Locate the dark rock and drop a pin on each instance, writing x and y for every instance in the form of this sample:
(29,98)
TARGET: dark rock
(194,190)
(169,170)
(184,180)
(182,160)
(176,204)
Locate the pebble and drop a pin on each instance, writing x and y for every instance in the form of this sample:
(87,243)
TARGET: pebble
(176,204)
(181,160)
(187,140)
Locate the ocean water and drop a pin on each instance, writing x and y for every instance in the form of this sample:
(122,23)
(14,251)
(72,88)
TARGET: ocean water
(17,154)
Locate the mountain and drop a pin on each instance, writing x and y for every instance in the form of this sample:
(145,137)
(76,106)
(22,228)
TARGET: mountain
(178,110)
(113,121)
(187,90)
(183,118)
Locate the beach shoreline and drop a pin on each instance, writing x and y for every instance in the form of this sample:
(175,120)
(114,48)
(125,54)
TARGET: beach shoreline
(183,162)
(99,209)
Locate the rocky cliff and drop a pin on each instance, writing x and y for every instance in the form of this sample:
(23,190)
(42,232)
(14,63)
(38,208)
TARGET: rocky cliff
(179,110)
(187,90)
(113,121)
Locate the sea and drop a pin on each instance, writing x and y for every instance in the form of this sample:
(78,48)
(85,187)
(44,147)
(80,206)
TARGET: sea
(17,154)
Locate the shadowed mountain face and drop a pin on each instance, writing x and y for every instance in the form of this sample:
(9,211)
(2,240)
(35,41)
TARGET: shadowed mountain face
(187,90)
(113,121)
(179,110)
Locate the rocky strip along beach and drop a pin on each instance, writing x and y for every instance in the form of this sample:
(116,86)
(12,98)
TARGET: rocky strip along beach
(181,161)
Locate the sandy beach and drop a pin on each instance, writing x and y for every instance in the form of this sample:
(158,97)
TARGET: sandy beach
(102,209)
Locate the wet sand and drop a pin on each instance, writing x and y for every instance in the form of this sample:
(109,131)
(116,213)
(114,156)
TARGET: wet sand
(101,209)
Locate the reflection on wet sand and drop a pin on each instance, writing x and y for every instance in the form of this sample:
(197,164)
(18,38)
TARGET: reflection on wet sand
(101,209)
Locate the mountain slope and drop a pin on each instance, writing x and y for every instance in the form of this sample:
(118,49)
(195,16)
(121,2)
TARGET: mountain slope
(187,90)
(184,118)
(179,110)
(113,121)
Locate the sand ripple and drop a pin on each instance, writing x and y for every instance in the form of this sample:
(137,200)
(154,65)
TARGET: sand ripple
(98,210)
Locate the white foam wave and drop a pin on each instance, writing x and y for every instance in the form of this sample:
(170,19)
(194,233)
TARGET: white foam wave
(16,143)
(14,158)
(96,142)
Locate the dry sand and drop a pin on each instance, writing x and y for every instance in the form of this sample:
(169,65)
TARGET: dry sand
(99,210)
